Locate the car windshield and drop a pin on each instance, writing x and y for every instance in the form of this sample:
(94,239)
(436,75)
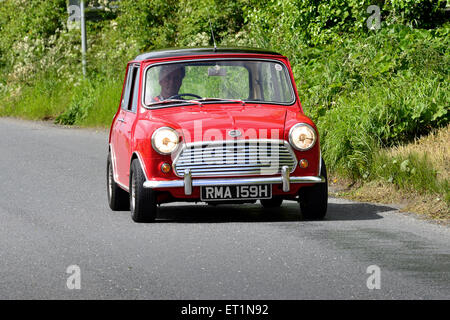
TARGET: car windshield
(232,81)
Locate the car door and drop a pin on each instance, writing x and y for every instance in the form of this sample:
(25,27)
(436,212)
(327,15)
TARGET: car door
(115,130)
(126,118)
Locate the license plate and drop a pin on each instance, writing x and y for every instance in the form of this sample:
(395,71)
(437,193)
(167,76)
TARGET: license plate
(244,192)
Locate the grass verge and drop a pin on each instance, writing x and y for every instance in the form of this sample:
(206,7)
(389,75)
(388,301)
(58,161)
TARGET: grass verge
(89,103)
(414,176)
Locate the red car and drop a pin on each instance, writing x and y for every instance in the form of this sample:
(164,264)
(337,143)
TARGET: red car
(221,125)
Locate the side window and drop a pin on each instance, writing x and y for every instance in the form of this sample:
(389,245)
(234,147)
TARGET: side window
(130,97)
(135,91)
(126,94)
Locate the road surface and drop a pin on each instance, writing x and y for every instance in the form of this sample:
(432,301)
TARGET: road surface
(54,214)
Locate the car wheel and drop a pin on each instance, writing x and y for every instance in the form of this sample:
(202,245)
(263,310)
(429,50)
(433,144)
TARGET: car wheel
(271,203)
(117,197)
(314,200)
(142,200)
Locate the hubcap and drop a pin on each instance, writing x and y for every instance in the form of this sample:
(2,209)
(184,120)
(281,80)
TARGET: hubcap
(110,178)
(133,192)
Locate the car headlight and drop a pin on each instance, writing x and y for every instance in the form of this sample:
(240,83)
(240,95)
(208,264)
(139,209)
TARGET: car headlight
(302,136)
(165,140)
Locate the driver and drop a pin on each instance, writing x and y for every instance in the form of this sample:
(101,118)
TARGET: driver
(170,79)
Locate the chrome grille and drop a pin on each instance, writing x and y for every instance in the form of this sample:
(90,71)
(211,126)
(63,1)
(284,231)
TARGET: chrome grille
(235,158)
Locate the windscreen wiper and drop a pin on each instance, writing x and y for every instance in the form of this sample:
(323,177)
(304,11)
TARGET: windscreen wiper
(168,101)
(220,99)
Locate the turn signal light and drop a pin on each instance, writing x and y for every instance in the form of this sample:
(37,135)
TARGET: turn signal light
(165,167)
(303,163)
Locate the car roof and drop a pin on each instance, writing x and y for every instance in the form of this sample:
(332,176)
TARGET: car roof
(177,52)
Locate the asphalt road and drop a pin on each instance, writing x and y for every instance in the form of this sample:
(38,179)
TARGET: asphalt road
(54,213)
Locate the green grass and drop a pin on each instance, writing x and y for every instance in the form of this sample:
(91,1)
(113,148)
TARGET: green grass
(105,105)
(44,100)
(410,172)
(95,103)
(90,103)
(414,174)
(391,113)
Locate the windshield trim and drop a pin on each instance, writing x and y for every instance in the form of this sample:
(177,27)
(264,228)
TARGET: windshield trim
(159,106)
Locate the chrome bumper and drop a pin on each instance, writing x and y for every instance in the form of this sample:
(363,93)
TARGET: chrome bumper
(188,182)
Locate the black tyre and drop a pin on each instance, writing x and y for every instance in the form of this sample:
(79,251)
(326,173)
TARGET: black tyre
(142,200)
(271,203)
(117,197)
(314,200)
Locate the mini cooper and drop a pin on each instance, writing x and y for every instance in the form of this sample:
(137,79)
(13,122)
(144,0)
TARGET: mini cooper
(213,125)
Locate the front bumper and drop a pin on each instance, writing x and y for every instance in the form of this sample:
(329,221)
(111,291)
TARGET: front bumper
(188,183)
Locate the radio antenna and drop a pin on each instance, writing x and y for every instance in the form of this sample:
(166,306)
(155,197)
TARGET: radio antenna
(212,34)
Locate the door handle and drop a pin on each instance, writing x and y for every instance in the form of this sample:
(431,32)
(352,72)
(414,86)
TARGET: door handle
(121,120)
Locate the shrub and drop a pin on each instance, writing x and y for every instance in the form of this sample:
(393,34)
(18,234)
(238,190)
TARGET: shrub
(386,114)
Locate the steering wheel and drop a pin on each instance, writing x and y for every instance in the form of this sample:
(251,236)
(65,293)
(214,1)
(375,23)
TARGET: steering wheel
(178,96)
